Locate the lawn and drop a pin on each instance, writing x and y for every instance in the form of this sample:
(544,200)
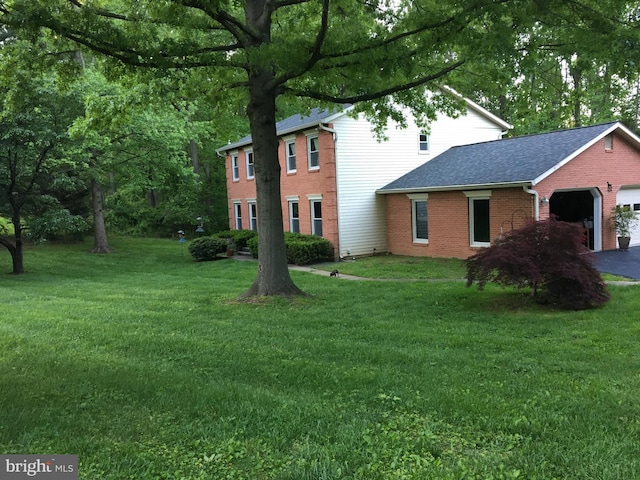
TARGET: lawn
(144,364)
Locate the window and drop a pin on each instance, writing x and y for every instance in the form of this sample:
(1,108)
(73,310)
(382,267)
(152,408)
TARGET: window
(294,216)
(253,216)
(316,217)
(423,143)
(290,148)
(235,167)
(312,149)
(479,226)
(419,223)
(608,142)
(237,208)
(250,171)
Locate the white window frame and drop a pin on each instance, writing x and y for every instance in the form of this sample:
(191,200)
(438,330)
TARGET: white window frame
(313,199)
(235,167)
(294,201)
(237,214)
(250,161)
(311,153)
(473,196)
(415,198)
(421,142)
(253,214)
(288,156)
(608,143)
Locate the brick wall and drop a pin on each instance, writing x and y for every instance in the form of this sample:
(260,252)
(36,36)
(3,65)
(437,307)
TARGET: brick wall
(301,183)
(593,169)
(448,220)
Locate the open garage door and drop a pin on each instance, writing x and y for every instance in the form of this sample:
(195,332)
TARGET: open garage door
(583,207)
(630,197)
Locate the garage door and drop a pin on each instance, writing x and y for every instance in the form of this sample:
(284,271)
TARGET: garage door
(631,197)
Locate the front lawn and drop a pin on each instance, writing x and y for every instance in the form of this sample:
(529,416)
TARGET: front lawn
(144,364)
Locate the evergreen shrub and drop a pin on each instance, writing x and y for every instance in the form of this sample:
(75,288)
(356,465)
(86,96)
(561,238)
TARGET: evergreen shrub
(302,249)
(205,249)
(239,237)
(547,256)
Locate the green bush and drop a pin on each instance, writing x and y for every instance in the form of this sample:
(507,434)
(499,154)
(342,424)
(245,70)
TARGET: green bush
(239,237)
(207,248)
(301,249)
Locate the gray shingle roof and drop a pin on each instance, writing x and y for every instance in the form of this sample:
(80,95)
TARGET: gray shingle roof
(290,124)
(519,160)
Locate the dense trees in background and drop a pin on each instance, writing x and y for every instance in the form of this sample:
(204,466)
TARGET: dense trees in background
(78,148)
(539,65)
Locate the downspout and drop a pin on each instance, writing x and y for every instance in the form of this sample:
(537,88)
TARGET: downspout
(323,126)
(536,202)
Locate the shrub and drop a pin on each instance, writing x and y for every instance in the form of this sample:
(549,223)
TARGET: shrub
(207,248)
(56,224)
(547,256)
(301,249)
(239,237)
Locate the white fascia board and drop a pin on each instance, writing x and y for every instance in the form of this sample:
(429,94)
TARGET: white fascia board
(563,162)
(474,106)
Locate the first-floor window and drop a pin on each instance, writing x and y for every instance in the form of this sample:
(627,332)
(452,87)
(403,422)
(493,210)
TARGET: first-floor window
(294,217)
(316,217)
(237,207)
(479,220)
(253,216)
(419,219)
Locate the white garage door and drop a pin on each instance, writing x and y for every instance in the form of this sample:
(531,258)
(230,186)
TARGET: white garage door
(631,197)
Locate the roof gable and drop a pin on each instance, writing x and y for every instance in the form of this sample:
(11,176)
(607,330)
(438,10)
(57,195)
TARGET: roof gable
(516,161)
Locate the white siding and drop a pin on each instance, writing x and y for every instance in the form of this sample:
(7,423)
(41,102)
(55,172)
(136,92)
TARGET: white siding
(364,165)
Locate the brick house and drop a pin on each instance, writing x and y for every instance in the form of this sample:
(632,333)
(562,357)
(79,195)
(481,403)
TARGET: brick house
(332,164)
(464,198)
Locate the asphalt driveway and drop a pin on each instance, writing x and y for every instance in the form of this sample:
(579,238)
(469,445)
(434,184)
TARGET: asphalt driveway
(616,262)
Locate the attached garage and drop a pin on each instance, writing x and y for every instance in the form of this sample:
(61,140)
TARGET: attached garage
(630,197)
(577,175)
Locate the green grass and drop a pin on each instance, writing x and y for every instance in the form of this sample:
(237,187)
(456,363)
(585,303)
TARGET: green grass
(144,364)
(400,267)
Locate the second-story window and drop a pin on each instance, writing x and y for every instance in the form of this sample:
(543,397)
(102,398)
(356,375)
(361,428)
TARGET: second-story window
(313,154)
(423,143)
(235,167)
(290,148)
(250,170)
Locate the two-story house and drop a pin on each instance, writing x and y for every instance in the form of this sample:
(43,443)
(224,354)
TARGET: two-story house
(332,164)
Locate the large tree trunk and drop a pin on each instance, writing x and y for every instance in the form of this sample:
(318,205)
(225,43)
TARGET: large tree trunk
(100,242)
(273,272)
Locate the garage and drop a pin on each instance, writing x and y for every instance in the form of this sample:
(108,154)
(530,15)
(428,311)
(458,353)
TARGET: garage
(582,207)
(630,197)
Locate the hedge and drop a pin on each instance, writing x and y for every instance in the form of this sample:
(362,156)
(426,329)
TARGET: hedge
(301,249)
(207,248)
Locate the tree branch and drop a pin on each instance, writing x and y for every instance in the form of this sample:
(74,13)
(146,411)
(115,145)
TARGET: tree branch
(379,93)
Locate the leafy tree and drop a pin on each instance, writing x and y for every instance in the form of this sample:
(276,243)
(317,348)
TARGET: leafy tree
(35,157)
(131,139)
(547,256)
(576,64)
(385,54)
